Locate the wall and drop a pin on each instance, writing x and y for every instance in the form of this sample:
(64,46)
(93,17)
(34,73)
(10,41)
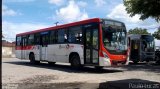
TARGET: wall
(8,51)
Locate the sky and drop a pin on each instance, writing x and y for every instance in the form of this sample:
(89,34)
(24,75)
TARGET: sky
(27,15)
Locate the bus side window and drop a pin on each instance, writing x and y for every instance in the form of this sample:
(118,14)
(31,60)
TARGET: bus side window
(75,34)
(52,37)
(56,36)
(18,41)
(46,40)
(65,36)
(61,36)
(37,38)
(31,39)
(24,41)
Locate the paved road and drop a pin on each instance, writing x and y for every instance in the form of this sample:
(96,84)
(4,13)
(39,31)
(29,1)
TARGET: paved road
(23,75)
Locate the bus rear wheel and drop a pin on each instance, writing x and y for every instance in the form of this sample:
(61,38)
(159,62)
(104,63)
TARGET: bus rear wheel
(32,59)
(75,61)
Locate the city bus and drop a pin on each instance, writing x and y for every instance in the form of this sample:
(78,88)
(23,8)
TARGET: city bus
(93,42)
(142,47)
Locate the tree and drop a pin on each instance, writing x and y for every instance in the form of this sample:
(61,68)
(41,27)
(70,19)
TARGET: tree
(138,31)
(145,8)
(156,34)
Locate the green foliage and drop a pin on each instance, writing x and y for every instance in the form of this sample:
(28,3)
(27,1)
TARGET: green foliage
(138,31)
(156,34)
(145,8)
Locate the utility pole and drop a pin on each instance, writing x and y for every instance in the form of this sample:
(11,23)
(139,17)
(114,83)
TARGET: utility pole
(56,23)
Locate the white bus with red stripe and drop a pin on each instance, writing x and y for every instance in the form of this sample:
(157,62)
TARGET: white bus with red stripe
(94,42)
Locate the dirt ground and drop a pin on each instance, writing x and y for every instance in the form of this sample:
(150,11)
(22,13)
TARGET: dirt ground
(20,74)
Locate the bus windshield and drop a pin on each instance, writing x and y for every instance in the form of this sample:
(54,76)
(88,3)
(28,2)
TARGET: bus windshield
(147,43)
(114,37)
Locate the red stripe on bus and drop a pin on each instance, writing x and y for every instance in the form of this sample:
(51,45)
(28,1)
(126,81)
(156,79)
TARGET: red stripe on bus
(24,48)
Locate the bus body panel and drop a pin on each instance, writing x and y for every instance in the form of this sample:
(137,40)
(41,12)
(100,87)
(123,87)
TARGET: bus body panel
(18,54)
(51,53)
(61,52)
(76,48)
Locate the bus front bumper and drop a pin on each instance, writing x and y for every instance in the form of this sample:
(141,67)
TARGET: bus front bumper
(107,62)
(104,61)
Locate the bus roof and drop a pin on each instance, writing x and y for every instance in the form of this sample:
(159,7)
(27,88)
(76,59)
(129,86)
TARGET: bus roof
(61,26)
(111,20)
(65,25)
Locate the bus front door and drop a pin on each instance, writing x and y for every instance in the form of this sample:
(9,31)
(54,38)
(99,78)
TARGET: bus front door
(135,50)
(91,46)
(43,46)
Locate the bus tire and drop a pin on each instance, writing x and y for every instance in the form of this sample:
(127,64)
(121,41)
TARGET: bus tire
(135,61)
(32,59)
(51,63)
(75,61)
(98,67)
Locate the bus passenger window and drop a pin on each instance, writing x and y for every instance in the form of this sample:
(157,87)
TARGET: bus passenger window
(65,36)
(75,35)
(18,41)
(56,36)
(37,38)
(52,37)
(60,36)
(31,39)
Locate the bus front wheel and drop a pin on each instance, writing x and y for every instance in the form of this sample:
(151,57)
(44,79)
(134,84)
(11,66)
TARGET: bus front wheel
(75,61)
(32,59)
